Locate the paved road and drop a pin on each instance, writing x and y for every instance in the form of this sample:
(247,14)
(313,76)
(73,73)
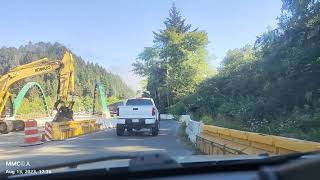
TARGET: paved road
(15,139)
(94,145)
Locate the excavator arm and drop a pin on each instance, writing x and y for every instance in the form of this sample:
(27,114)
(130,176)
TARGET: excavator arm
(65,69)
(65,99)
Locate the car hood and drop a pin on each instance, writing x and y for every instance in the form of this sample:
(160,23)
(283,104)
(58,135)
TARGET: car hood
(123,163)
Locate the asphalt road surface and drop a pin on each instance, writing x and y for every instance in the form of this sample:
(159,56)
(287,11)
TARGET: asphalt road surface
(99,144)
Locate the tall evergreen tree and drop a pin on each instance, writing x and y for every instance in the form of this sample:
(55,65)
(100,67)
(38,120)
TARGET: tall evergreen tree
(175,21)
(177,61)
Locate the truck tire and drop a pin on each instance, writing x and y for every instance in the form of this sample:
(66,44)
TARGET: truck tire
(120,130)
(6,127)
(129,130)
(18,125)
(155,130)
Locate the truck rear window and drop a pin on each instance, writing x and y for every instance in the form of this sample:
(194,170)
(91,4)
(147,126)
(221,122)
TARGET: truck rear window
(139,102)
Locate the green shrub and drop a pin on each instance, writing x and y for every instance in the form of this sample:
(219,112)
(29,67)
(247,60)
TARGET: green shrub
(178,109)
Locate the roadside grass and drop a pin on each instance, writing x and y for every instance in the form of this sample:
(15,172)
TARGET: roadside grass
(226,123)
(312,134)
(185,140)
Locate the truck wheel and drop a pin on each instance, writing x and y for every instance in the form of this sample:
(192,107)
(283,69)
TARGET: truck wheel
(6,127)
(155,130)
(120,130)
(18,125)
(129,130)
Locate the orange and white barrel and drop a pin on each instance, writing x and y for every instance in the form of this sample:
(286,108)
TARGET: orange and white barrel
(47,131)
(31,133)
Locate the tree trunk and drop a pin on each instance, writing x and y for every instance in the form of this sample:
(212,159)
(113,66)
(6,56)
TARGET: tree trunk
(167,83)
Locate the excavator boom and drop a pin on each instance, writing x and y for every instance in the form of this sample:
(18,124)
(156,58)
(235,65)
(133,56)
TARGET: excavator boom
(65,69)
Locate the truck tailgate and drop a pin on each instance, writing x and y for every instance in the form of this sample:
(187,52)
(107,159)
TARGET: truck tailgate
(135,112)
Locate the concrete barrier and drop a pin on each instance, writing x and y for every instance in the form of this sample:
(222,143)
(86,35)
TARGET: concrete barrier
(107,123)
(193,128)
(65,130)
(166,116)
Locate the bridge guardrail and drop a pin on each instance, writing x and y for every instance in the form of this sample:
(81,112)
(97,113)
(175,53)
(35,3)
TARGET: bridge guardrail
(65,130)
(218,140)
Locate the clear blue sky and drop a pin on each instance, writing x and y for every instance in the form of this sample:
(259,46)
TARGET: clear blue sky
(112,33)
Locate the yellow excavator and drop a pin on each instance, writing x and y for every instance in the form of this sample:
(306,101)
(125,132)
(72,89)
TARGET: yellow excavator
(65,91)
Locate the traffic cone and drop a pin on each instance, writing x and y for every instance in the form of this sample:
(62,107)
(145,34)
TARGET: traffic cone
(31,133)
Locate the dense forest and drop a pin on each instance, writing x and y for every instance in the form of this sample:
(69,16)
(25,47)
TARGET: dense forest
(86,73)
(270,87)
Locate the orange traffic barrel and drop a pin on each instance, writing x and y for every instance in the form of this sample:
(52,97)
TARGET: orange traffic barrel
(31,133)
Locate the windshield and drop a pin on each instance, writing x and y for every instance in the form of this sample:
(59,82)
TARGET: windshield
(221,78)
(139,102)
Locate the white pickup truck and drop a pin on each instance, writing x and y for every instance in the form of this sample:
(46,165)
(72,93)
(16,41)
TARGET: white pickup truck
(138,113)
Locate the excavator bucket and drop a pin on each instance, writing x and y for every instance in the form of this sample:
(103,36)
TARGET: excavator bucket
(64,114)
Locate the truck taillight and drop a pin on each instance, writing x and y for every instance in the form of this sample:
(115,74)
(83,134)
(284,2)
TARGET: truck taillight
(153,111)
(117,111)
